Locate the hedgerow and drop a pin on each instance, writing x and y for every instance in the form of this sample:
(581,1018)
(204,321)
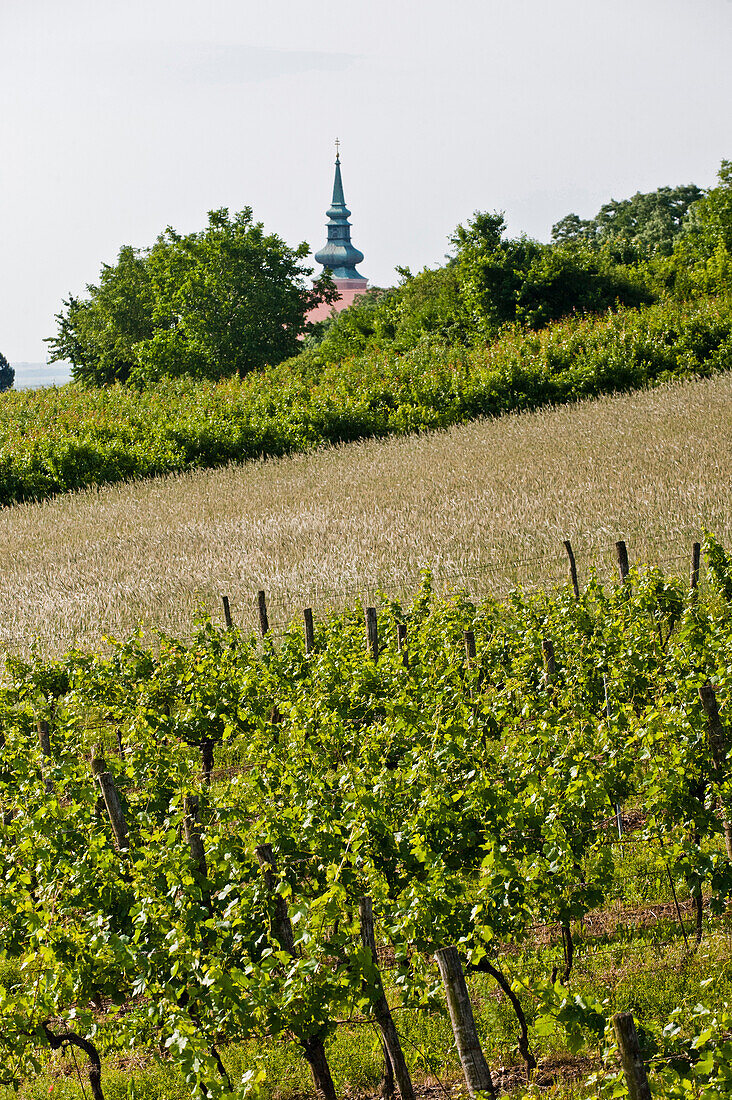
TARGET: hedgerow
(66,438)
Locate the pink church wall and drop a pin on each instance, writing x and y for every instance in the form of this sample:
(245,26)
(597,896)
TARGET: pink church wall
(348,290)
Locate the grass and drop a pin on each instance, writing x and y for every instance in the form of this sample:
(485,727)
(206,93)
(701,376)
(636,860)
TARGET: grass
(485,505)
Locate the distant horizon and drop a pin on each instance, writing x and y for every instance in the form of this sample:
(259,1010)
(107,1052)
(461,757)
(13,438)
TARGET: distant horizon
(34,376)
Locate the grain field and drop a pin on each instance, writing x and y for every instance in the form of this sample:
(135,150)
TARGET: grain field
(485,505)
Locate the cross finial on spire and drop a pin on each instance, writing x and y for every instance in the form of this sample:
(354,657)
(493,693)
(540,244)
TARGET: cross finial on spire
(338,149)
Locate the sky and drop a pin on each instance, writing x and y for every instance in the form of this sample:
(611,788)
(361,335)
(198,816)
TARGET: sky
(118,119)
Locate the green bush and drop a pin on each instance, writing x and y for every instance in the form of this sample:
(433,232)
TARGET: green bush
(56,440)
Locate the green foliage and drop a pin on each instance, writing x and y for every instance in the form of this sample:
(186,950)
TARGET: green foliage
(223,301)
(710,223)
(720,565)
(702,258)
(503,281)
(426,307)
(229,299)
(635,250)
(488,283)
(470,801)
(673,240)
(60,439)
(686,1067)
(633,229)
(99,334)
(7,374)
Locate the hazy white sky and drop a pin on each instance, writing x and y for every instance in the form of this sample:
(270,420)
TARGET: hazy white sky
(119,117)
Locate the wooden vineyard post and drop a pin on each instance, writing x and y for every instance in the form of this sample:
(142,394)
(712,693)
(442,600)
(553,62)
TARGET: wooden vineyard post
(695,571)
(282,928)
(372,631)
(622,554)
(634,1070)
(281,925)
(550,661)
(207,759)
(402,643)
(227,612)
(44,740)
(718,748)
(111,800)
(470,650)
(192,826)
(393,1055)
(470,658)
(572,568)
(309,629)
(475,1068)
(263,617)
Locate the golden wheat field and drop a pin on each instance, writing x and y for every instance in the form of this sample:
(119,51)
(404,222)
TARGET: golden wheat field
(485,506)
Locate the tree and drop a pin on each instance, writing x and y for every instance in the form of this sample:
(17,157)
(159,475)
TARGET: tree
(701,262)
(490,269)
(100,335)
(7,374)
(226,300)
(709,225)
(506,280)
(633,229)
(560,281)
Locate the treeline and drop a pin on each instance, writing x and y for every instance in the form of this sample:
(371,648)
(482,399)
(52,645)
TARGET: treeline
(55,440)
(673,242)
(230,299)
(184,352)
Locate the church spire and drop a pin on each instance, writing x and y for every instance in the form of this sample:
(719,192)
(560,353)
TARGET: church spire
(339,255)
(338,200)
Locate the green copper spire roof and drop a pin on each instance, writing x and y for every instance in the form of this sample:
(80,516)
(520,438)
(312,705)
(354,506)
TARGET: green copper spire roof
(339,255)
(338,200)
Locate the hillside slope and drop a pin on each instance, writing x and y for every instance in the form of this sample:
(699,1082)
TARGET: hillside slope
(484,504)
(55,440)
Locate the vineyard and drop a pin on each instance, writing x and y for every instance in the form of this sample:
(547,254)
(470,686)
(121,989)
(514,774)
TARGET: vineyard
(466,833)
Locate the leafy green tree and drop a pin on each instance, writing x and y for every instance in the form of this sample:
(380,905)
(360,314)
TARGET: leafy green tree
(504,280)
(100,334)
(562,281)
(710,221)
(701,262)
(226,300)
(7,374)
(707,245)
(490,269)
(633,229)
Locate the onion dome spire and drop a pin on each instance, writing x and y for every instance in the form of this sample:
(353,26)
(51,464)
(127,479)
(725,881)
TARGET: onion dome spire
(339,255)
